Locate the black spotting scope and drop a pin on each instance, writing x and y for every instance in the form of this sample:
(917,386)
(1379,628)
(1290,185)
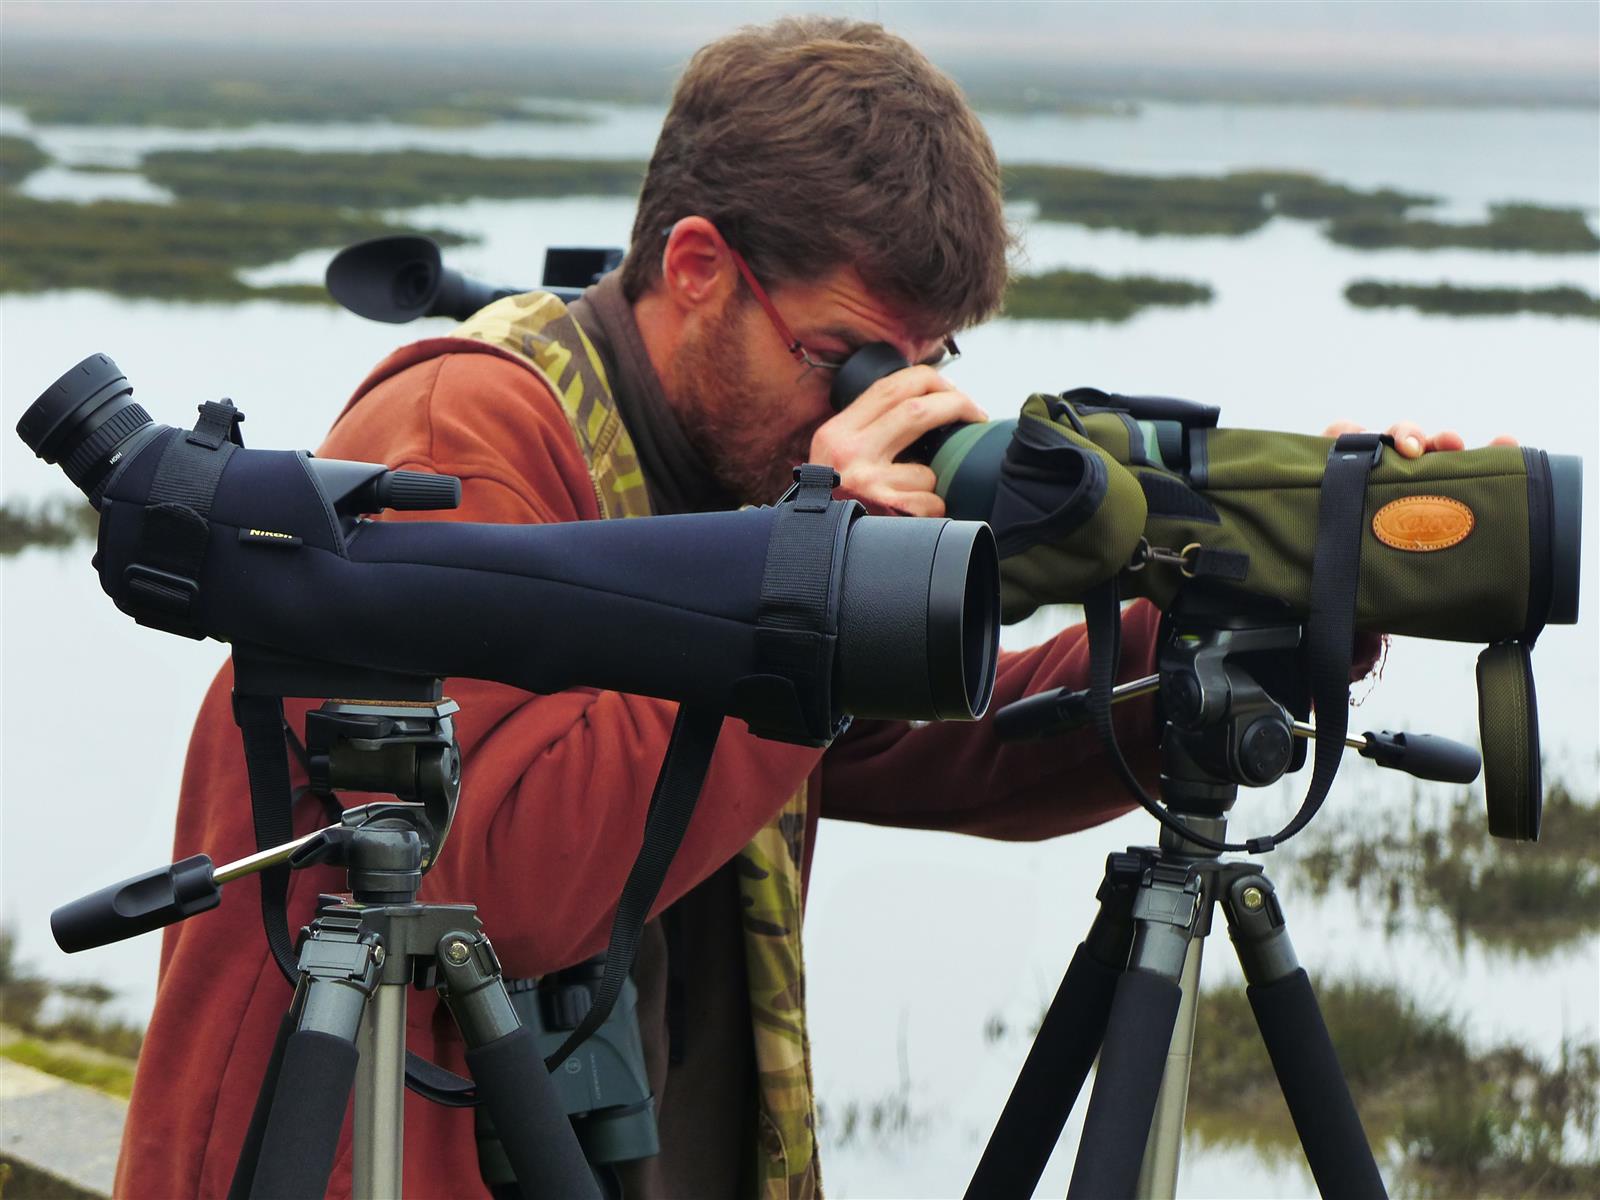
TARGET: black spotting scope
(793,617)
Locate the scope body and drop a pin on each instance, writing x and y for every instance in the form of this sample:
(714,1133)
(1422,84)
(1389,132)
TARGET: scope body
(793,617)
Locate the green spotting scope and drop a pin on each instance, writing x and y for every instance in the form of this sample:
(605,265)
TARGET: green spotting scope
(1090,487)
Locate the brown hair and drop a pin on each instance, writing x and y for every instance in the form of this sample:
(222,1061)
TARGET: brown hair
(818,142)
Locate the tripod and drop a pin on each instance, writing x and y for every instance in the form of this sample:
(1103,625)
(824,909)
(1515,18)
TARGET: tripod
(1130,994)
(346,1024)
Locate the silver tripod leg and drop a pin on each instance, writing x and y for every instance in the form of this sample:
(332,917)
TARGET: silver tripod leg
(1158,1174)
(379,1131)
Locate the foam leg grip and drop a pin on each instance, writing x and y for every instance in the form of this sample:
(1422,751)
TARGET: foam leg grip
(1132,1060)
(1314,1087)
(1048,1085)
(250,1154)
(528,1116)
(308,1106)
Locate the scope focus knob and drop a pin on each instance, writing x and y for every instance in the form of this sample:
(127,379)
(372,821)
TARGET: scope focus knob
(418,491)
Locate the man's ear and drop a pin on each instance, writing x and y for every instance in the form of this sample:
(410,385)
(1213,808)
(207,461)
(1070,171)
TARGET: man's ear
(696,268)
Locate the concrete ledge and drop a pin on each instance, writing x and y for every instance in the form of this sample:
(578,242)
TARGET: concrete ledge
(59,1139)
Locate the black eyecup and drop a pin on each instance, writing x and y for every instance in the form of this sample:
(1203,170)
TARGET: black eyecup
(50,421)
(1566,529)
(964,611)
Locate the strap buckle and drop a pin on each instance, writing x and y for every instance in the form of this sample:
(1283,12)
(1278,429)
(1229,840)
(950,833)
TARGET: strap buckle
(167,600)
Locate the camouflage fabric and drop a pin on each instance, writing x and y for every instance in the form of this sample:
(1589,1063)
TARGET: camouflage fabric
(769,888)
(536,327)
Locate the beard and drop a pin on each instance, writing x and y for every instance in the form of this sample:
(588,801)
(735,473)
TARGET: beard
(729,415)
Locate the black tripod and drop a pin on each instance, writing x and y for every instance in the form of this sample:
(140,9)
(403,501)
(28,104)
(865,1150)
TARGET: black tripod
(346,1024)
(1130,994)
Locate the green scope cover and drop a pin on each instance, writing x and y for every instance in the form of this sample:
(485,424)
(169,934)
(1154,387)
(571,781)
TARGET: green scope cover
(1473,546)
(1088,484)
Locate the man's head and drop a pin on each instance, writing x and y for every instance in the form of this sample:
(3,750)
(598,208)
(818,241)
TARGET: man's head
(862,192)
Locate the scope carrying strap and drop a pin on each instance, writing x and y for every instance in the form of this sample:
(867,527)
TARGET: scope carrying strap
(1330,641)
(163,581)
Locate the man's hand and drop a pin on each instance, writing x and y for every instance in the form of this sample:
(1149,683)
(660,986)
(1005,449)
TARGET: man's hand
(862,442)
(1411,442)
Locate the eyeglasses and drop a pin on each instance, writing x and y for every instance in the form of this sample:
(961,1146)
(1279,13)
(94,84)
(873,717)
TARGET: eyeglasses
(796,348)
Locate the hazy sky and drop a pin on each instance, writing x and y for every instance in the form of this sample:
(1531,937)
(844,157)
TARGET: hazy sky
(1554,36)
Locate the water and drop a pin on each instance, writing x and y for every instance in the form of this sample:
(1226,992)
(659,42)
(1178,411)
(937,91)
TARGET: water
(914,939)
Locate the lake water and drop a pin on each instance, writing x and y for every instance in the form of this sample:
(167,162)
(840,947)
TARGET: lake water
(914,940)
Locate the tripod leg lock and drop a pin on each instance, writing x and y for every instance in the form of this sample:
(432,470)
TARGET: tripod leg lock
(470,982)
(1166,916)
(1258,930)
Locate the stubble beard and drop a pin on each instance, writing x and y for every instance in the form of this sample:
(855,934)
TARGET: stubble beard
(727,415)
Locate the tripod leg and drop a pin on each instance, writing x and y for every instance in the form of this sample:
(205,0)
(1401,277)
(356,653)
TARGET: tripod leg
(1167,915)
(378,1150)
(1158,1173)
(1302,1053)
(1064,1049)
(513,1082)
(318,1066)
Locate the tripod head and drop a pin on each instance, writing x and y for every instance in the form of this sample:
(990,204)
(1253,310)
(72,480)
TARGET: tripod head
(404,746)
(1233,703)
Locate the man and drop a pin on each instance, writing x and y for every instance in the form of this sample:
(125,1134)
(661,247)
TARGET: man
(818,186)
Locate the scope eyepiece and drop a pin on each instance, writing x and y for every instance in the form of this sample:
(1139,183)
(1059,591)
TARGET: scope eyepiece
(84,421)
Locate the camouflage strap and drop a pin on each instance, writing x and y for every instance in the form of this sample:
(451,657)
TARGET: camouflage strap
(536,327)
(769,869)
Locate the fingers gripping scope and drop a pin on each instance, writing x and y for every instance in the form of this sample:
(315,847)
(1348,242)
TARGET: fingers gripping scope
(793,617)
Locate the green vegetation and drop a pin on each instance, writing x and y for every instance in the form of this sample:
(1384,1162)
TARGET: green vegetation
(1521,898)
(1085,296)
(57,523)
(81,1044)
(19,158)
(232,91)
(187,251)
(1529,227)
(380,180)
(1474,301)
(1462,1123)
(1225,205)
(115,1077)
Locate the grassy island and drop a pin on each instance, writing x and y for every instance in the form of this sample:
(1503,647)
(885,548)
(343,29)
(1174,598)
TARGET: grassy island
(1187,205)
(1451,300)
(1529,227)
(1085,296)
(186,251)
(385,179)
(19,158)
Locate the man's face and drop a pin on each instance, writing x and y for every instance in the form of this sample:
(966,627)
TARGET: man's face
(751,409)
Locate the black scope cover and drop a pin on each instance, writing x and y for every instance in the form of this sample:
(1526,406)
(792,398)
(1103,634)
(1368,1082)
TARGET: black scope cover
(661,606)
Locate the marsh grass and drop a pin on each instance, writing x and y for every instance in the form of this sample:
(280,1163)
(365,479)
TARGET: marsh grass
(1451,300)
(1527,227)
(1454,1122)
(58,522)
(1518,898)
(19,158)
(78,1041)
(1084,296)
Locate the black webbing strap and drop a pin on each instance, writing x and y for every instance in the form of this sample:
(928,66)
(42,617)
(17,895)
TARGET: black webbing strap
(163,582)
(266,760)
(1330,642)
(683,771)
(793,609)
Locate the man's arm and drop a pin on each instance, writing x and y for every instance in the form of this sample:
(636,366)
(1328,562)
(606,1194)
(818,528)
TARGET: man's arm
(554,788)
(962,777)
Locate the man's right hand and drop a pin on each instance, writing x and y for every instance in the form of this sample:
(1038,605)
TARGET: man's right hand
(863,441)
